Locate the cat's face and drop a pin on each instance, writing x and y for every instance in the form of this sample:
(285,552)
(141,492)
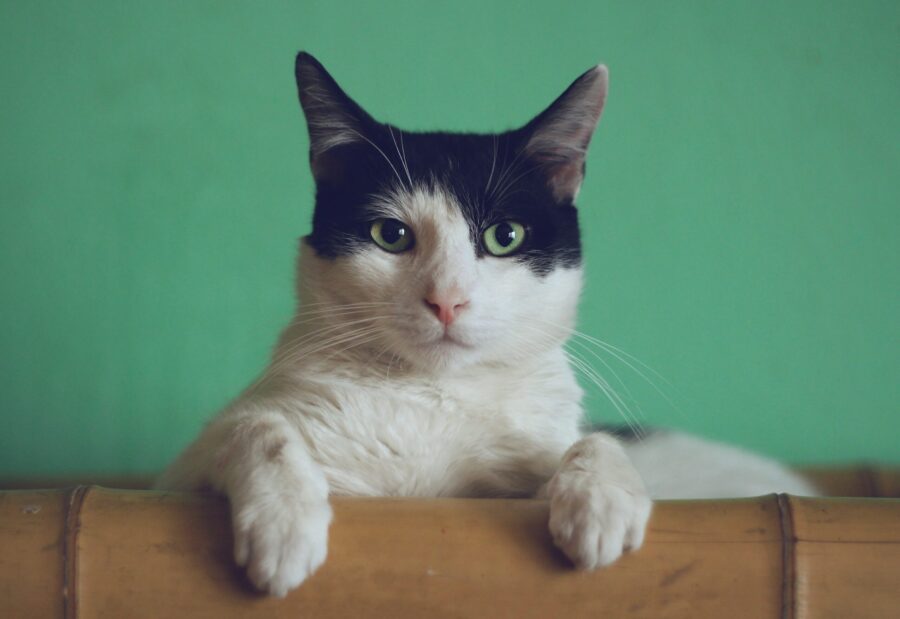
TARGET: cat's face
(445,250)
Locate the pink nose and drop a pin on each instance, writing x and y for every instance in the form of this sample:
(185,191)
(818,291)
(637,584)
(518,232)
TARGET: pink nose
(445,307)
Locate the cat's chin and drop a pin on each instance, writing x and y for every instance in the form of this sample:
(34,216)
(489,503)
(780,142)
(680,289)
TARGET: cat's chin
(441,355)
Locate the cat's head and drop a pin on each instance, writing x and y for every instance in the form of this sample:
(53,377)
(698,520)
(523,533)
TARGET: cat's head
(446,249)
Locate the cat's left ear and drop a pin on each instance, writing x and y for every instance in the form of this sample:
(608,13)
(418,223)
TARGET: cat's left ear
(558,137)
(333,118)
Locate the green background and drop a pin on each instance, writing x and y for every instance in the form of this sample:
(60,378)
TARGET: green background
(740,209)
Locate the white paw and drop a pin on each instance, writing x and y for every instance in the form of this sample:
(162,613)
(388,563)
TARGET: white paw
(281,543)
(592,521)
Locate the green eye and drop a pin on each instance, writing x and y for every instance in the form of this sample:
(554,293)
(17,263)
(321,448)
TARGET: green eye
(391,235)
(504,238)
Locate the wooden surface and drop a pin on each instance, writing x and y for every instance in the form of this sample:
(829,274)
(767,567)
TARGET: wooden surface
(32,553)
(848,554)
(99,553)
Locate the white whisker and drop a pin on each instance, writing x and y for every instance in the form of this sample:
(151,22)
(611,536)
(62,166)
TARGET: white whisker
(493,165)
(297,349)
(401,155)
(626,359)
(386,158)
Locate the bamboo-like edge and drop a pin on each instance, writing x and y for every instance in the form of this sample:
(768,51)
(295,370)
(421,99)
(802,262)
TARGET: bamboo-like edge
(789,557)
(70,549)
(77,496)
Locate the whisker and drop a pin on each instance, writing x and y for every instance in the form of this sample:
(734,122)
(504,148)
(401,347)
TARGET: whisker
(507,187)
(334,341)
(621,407)
(618,355)
(610,348)
(309,316)
(606,365)
(297,345)
(375,146)
(592,375)
(507,171)
(296,349)
(629,361)
(399,154)
(493,165)
(372,336)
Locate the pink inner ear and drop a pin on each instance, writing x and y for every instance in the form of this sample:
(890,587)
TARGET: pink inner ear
(565,181)
(563,166)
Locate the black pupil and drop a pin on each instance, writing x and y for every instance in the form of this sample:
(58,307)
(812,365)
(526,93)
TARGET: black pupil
(505,234)
(392,231)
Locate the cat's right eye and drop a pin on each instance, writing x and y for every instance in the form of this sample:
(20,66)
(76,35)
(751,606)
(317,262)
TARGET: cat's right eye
(391,235)
(504,238)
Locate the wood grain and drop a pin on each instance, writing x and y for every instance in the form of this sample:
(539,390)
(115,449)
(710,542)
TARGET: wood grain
(147,554)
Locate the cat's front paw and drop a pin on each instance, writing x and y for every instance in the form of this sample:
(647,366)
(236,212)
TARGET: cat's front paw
(281,544)
(592,521)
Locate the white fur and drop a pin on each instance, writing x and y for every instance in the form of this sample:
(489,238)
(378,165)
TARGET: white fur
(368,395)
(598,505)
(680,466)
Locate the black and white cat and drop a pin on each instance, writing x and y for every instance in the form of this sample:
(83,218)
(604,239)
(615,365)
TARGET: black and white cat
(436,291)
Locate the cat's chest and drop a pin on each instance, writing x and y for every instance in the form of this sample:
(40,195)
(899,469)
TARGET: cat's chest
(447,438)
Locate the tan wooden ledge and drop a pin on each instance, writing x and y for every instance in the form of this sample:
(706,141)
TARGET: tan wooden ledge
(94,552)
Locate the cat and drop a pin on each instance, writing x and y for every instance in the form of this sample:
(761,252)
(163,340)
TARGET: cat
(436,290)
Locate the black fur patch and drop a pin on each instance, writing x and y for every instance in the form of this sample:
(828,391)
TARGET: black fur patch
(490,176)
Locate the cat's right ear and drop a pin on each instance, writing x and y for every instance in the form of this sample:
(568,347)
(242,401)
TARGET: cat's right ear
(333,118)
(558,137)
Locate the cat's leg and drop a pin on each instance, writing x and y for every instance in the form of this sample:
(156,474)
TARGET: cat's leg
(278,495)
(598,505)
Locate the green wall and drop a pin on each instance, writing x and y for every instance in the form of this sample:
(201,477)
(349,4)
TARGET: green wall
(740,209)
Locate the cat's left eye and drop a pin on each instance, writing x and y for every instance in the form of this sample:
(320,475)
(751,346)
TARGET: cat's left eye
(391,235)
(504,238)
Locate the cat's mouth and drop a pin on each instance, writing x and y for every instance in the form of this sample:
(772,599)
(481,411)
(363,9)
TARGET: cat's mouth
(448,340)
